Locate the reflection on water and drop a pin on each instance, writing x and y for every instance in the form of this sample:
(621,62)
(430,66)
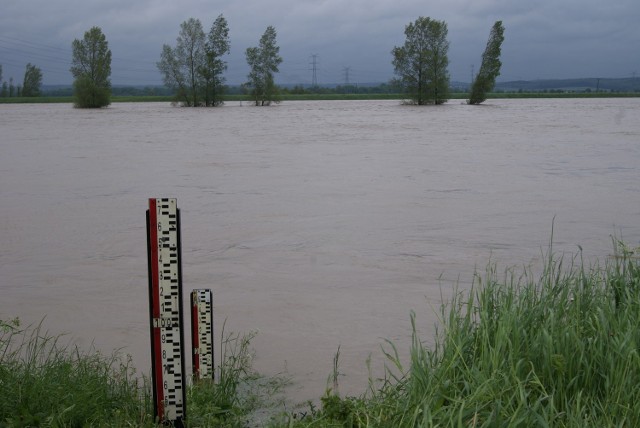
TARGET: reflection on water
(317,223)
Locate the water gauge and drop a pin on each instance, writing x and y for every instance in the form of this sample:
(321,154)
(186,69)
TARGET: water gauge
(202,334)
(165,311)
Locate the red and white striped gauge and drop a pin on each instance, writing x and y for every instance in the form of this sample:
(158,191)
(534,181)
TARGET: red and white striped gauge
(165,311)
(202,334)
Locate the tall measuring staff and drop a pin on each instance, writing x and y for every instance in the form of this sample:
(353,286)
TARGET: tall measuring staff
(165,310)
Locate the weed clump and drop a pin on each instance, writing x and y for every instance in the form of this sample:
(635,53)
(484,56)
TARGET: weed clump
(48,383)
(240,396)
(45,382)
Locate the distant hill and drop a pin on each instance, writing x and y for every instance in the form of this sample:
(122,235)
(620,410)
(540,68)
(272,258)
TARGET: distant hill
(577,85)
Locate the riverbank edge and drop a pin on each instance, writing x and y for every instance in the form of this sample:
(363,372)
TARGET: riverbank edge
(330,97)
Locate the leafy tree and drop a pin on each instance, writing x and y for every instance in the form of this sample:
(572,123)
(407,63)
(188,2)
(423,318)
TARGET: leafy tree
(263,61)
(216,46)
(190,52)
(490,68)
(32,81)
(173,77)
(182,66)
(421,64)
(91,68)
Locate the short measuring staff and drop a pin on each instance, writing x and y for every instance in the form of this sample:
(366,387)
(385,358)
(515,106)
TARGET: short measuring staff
(202,334)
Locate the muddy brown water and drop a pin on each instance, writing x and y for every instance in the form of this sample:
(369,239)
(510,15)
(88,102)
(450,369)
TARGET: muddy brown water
(316,224)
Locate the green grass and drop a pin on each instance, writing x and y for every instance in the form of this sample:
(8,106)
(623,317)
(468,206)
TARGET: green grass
(44,382)
(540,94)
(36,100)
(240,396)
(560,350)
(555,349)
(328,97)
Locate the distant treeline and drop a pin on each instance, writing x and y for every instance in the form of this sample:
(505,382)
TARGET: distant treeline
(134,91)
(586,85)
(146,91)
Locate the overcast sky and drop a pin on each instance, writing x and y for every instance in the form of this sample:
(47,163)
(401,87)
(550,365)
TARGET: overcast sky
(543,38)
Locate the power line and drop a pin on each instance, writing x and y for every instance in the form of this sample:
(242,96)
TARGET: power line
(14,47)
(32,45)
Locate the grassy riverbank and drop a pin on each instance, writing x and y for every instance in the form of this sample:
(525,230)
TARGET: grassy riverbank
(556,349)
(47,382)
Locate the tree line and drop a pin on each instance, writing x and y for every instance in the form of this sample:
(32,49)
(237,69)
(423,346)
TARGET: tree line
(90,67)
(421,63)
(194,68)
(31,83)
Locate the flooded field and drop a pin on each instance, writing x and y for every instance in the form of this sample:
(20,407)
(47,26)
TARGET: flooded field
(317,224)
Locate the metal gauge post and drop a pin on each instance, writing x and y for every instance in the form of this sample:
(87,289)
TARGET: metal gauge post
(165,310)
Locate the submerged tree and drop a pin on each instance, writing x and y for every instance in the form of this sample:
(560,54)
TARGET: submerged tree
(32,81)
(181,66)
(490,68)
(263,61)
(421,64)
(216,46)
(193,69)
(91,68)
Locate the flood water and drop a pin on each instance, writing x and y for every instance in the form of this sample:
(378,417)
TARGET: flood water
(317,224)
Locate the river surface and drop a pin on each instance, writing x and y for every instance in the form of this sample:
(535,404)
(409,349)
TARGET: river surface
(317,224)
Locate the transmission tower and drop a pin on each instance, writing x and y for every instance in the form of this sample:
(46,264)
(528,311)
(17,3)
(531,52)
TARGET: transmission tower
(346,75)
(314,68)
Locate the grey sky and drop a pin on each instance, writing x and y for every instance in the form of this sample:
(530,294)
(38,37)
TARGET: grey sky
(543,38)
